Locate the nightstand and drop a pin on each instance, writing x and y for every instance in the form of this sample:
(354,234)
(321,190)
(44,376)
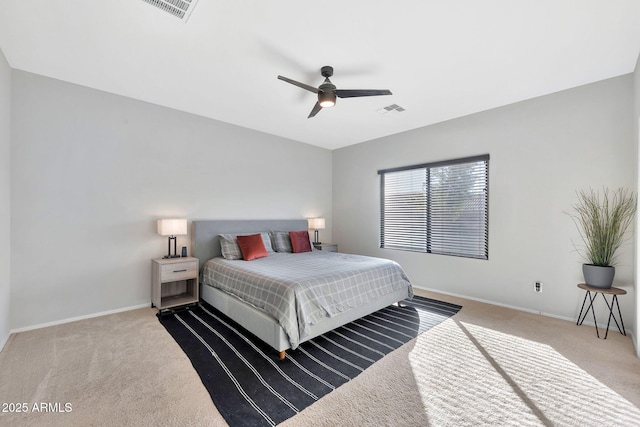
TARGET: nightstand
(329,247)
(174,282)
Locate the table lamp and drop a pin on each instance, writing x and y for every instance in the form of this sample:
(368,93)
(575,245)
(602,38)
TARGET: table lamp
(172,228)
(316,224)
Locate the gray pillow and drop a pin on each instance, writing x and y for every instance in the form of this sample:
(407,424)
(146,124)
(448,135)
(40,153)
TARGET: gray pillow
(281,241)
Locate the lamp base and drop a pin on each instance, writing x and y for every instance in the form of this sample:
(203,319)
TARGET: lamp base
(168,255)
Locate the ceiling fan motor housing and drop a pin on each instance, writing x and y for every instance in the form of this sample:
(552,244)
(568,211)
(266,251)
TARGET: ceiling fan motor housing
(327,94)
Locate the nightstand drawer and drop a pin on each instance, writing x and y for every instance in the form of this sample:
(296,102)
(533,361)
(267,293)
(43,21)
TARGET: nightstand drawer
(179,271)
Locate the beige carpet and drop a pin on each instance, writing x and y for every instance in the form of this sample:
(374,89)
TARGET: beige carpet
(485,366)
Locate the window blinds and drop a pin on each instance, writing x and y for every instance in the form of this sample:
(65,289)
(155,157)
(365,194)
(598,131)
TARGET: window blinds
(440,208)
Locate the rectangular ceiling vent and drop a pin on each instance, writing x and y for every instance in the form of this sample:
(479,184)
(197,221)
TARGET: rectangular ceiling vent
(179,8)
(391,109)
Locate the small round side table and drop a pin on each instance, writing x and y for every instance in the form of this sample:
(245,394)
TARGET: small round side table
(592,293)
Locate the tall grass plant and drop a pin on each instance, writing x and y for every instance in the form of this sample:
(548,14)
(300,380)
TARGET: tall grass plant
(603,221)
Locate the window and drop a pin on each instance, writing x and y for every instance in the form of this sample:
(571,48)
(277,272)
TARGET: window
(439,208)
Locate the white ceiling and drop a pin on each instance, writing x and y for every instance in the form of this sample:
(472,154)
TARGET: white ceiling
(441,59)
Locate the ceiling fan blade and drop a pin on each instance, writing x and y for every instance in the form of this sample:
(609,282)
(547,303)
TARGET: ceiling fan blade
(302,85)
(316,110)
(353,93)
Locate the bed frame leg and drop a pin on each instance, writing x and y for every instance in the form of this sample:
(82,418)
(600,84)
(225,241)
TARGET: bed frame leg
(281,355)
(399,305)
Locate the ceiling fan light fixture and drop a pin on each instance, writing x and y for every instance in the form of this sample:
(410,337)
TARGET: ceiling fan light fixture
(326,100)
(327,104)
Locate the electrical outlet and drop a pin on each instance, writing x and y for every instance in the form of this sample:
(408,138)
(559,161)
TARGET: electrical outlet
(537,286)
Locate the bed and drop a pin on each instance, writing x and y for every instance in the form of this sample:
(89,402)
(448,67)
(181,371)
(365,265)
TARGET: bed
(326,289)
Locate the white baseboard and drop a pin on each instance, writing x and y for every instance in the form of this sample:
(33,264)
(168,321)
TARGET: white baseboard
(75,319)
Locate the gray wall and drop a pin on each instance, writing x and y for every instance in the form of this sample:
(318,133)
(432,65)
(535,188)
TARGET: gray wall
(92,171)
(542,151)
(5,197)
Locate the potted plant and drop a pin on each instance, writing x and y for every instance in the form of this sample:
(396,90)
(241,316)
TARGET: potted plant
(602,222)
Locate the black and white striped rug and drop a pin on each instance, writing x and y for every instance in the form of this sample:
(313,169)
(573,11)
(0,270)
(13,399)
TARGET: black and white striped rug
(250,386)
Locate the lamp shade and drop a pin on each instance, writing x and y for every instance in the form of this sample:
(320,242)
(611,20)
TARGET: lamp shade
(316,223)
(172,227)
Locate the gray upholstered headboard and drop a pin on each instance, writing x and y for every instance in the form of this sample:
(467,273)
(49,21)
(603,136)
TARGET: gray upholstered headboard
(205,242)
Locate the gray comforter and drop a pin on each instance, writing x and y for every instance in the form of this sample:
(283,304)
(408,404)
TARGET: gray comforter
(301,289)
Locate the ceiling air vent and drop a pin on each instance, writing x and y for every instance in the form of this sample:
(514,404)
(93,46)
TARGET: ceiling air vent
(179,8)
(391,109)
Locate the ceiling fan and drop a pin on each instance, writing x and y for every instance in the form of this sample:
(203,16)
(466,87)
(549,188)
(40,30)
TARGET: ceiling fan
(327,91)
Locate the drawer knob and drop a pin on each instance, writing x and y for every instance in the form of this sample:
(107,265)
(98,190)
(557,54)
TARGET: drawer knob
(179,271)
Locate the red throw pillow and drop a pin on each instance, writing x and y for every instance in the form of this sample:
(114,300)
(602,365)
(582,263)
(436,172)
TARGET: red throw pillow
(252,247)
(300,241)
